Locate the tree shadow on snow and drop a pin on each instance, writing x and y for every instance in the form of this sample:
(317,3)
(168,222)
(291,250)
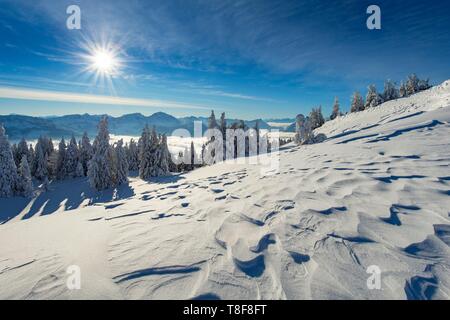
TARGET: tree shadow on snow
(11,207)
(62,196)
(167,179)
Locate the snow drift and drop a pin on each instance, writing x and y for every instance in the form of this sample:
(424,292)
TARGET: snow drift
(375,193)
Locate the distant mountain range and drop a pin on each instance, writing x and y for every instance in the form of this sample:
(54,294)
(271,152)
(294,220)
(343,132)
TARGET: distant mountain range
(28,127)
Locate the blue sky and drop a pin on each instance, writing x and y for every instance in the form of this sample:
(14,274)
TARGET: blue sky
(251,59)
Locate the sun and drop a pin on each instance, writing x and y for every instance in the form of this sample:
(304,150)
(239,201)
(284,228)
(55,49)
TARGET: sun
(104,62)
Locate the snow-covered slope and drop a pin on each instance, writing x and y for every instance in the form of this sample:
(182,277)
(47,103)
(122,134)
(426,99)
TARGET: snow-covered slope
(375,193)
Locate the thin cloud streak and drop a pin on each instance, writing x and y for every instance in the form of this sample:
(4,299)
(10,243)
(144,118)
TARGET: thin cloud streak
(233,95)
(43,95)
(201,89)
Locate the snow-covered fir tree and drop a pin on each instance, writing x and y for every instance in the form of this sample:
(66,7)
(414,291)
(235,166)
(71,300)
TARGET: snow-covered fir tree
(402,91)
(373,99)
(357,102)
(133,155)
(258,135)
(145,154)
(412,84)
(212,122)
(424,84)
(304,132)
(300,129)
(86,152)
(24,182)
(79,172)
(164,157)
(335,112)
(40,163)
(154,151)
(22,150)
(71,158)
(316,117)
(61,167)
(390,91)
(47,144)
(121,163)
(8,168)
(186,159)
(101,167)
(158,156)
(52,161)
(15,154)
(33,163)
(299,126)
(47,148)
(31,151)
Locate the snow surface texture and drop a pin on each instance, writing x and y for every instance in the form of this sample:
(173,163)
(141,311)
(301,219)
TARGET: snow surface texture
(376,192)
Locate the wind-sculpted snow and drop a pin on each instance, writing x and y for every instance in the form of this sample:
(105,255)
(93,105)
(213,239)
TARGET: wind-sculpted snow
(376,192)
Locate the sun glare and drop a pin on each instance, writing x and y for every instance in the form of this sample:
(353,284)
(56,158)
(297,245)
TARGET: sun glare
(103,62)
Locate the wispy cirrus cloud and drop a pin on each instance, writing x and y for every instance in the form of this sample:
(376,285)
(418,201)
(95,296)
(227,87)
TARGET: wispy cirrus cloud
(233,95)
(11,80)
(195,88)
(283,36)
(219,93)
(57,96)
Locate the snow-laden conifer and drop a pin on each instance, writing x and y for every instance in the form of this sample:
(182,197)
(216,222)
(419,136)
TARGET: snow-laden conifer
(390,91)
(121,163)
(316,117)
(79,172)
(412,84)
(164,157)
(133,155)
(61,167)
(212,122)
(22,150)
(357,102)
(86,152)
(373,99)
(101,168)
(335,112)
(8,169)
(145,154)
(40,163)
(24,182)
(72,158)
